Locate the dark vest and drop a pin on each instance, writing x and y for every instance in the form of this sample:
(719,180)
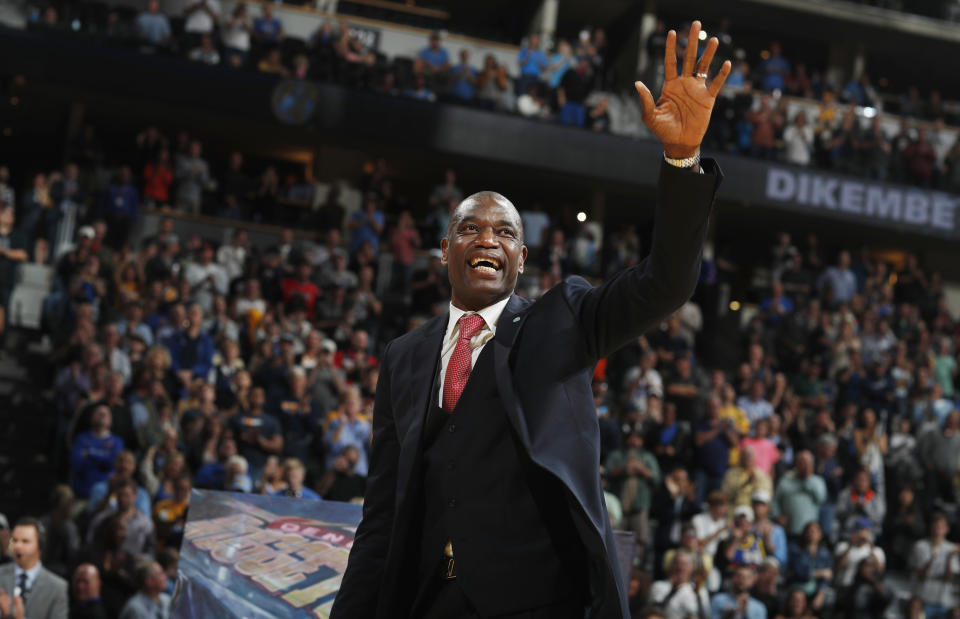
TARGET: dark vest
(514,541)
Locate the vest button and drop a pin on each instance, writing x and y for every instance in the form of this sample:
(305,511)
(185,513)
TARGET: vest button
(452,503)
(452,428)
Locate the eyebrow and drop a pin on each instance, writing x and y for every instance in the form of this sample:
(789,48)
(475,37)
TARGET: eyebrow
(501,222)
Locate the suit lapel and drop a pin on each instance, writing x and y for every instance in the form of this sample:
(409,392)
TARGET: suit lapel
(508,327)
(423,372)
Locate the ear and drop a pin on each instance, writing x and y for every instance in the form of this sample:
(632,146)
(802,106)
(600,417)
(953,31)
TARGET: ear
(523,258)
(444,245)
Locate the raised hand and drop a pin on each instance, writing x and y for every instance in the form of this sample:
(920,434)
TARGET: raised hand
(680,118)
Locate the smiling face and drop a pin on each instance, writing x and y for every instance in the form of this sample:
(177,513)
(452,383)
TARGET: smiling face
(484,251)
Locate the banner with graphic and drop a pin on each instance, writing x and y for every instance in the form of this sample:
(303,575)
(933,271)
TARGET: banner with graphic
(259,557)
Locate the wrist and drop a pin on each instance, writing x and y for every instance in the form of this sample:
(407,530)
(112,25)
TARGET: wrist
(680,151)
(689,161)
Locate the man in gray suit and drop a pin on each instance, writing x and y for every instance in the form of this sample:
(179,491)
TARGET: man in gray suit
(43,593)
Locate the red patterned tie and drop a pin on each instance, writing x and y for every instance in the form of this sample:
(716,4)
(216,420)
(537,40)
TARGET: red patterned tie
(458,369)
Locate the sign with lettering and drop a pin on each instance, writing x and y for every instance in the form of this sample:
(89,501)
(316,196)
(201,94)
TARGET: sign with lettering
(250,555)
(875,202)
(368,37)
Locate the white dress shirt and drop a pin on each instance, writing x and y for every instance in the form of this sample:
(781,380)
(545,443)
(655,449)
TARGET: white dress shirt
(32,574)
(490,315)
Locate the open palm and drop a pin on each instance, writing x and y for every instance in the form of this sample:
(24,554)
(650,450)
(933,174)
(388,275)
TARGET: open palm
(680,118)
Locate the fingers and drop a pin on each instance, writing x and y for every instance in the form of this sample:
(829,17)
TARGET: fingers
(704,65)
(721,77)
(690,58)
(670,56)
(646,99)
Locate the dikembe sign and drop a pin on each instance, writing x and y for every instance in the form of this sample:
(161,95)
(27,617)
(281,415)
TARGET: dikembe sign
(872,202)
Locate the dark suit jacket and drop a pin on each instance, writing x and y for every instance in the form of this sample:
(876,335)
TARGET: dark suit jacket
(48,597)
(544,355)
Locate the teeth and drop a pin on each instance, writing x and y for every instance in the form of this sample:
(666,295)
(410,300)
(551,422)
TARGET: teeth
(492,261)
(485,269)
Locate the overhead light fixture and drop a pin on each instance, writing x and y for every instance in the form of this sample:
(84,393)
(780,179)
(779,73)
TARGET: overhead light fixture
(581,217)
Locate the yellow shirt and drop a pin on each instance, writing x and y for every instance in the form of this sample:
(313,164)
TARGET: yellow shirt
(740,423)
(738,488)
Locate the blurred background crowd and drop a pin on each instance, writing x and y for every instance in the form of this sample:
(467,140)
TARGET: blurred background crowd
(193,313)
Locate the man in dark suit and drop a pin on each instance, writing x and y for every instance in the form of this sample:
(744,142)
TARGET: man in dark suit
(484,496)
(42,594)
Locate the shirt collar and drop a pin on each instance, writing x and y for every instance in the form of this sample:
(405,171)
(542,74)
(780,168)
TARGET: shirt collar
(31,574)
(490,315)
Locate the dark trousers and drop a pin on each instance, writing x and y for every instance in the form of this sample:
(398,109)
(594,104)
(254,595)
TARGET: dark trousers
(443,599)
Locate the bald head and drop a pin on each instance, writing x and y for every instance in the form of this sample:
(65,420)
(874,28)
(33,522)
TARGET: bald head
(483,198)
(483,251)
(86,582)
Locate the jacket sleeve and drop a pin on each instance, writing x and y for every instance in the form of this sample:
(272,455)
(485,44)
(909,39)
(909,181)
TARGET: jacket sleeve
(357,598)
(639,297)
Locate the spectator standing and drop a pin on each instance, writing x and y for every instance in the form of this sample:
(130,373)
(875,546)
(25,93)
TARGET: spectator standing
(572,94)
(679,596)
(765,451)
(258,434)
(839,280)
(773,536)
(366,225)
(754,405)
(810,564)
(157,178)
(432,60)
(560,62)
(494,86)
(94,452)
(267,28)
(921,159)
(193,177)
(713,437)
(348,426)
(151,601)
(742,482)
(403,243)
(637,476)
(207,278)
(532,61)
(799,496)
(464,78)
(121,207)
(935,563)
(236,36)
(201,16)
(140,538)
(152,26)
(798,140)
(774,70)
(849,554)
(37,593)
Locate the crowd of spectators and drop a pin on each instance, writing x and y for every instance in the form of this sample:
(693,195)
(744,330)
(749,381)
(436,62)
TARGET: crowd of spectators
(806,480)
(572,84)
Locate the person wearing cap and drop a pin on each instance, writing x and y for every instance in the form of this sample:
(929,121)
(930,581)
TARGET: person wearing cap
(935,563)
(737,603)
(773,536)
(849,554)
(799,495)
(636,475)
(742,546)
(741,482)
